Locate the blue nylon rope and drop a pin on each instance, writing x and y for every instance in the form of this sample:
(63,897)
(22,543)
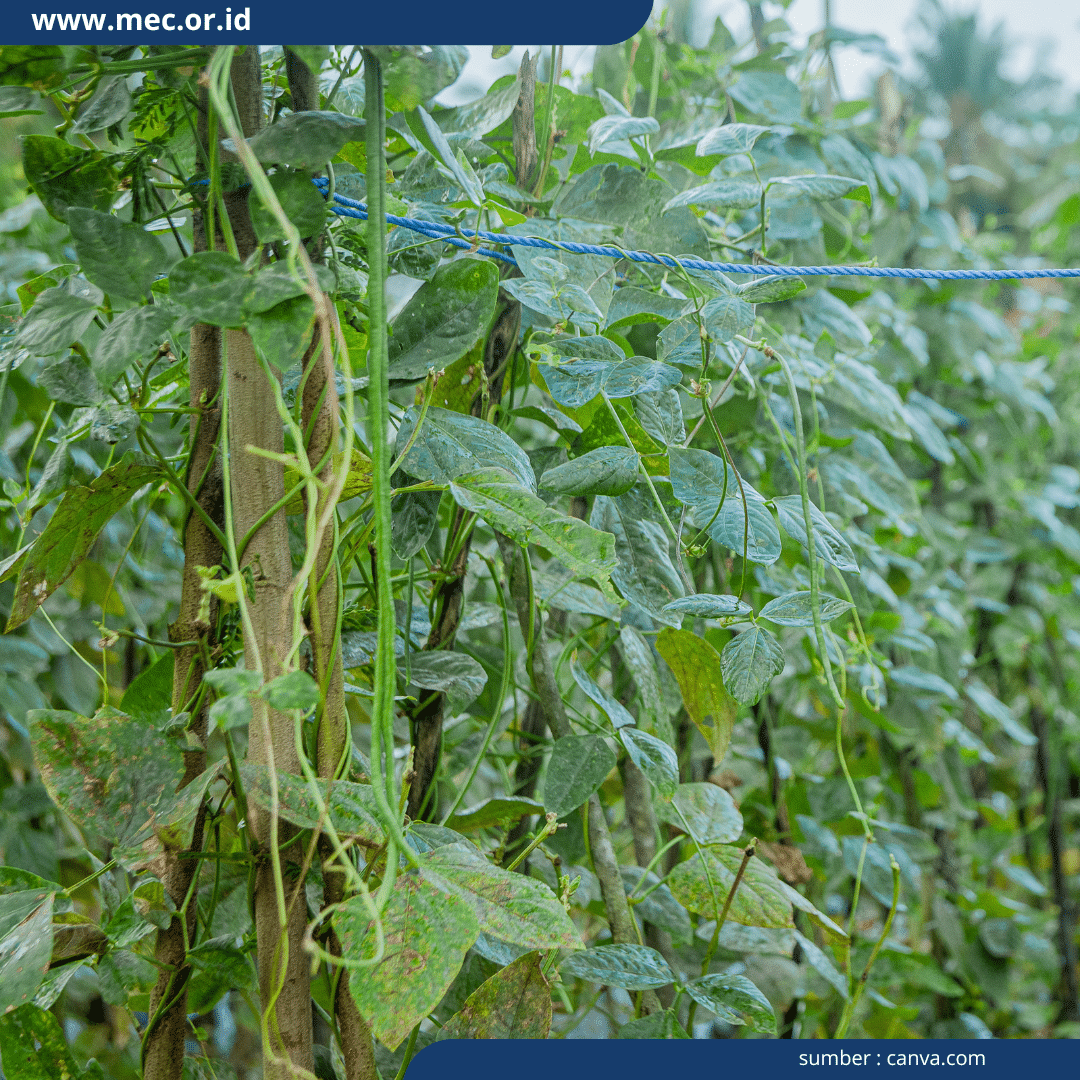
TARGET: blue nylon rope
(436,230)
(468,240)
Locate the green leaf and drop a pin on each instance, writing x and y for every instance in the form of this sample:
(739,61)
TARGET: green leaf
(451,445)
(109,105)
(516,511)
(55,479)
(795,609)
(113,775)
(819,185)
(416,73)
(916,677)
(63,175)
(113,422)
(71,381)
(749,663)
(18,101)
(638,656)
(275,283)
(124,974)
(66,540)
(696,667)
(458,676)
(772,289)
(829,545)
(639,375)
(633,967)
(292,690)
(546,413)
(454,168)
(575,383)
(413,517)
(710,606)
(563,303)
(148,696)
(120,257)
(831,931)
(607,470)
(212,287)
(313,56)
(557,589)
(824,313)
(731,139)
(219,967)
(133,335)
(660,414)
(56,320)
(707,811)
(577,767)
(515,1003)
(306,140)
(997,710)
(631,305)
(654,758)
(769,94)
(498,810)
(354,810)
(302,202)
(734,999)
(726,316)
(660,1025)
(444,319)
(477,118)
(644,572)
(757,902)
(508,906)
(234,680)
(33,1046)
(614,711)
(731,193)
(680,342)
(282,334)
(821,962)
(697,481)
(617,128)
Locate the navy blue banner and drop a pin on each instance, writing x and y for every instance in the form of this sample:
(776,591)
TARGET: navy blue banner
(709,1059)
(268,22)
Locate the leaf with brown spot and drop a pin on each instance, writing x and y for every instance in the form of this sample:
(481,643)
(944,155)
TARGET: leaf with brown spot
(352,807)
(761,899)
(115,776)
(427,934)
(515,1003)
(64,543)
(508,906)
(32,1042)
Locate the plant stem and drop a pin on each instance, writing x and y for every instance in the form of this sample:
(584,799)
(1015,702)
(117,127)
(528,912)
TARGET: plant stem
(853,1001)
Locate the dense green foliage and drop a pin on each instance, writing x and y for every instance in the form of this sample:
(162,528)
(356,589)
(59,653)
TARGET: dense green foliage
(765,591)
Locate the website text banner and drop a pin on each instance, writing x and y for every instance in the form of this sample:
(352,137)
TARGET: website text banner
(262,22)
(764,1059)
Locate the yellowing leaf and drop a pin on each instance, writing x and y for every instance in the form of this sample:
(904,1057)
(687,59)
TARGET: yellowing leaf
(358,481)
(696,666)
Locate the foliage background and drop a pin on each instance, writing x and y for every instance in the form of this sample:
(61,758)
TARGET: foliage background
(940,438)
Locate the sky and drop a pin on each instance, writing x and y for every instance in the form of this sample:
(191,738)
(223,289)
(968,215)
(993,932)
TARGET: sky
(1043,32)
